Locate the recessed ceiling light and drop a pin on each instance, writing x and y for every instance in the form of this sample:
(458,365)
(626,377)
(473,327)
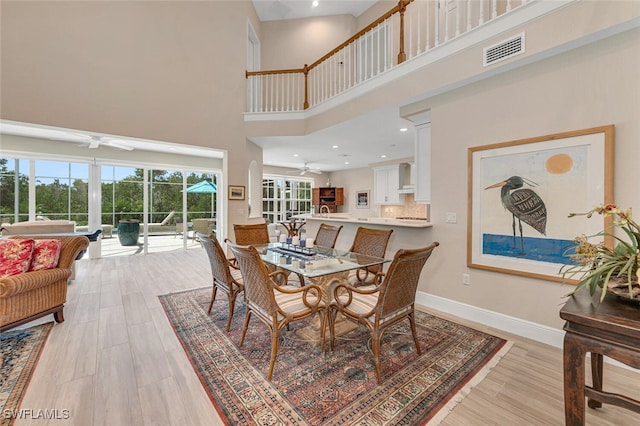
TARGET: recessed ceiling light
(315,3)
(346,162)
(295,155)
(383,156)
(404,129)
(335,146)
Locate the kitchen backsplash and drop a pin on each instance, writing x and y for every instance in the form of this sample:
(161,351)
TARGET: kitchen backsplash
(409,209)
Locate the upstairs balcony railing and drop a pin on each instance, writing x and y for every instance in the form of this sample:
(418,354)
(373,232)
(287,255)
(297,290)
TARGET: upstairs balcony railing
(410,29)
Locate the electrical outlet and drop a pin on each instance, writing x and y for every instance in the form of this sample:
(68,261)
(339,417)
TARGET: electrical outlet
(451,218)
(466,279)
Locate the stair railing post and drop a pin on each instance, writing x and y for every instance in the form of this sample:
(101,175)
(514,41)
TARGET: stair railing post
(402,7)
(306,86)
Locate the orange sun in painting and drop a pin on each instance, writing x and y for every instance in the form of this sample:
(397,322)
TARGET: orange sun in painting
(559,164)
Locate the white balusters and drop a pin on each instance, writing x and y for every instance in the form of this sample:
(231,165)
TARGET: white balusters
(425,27)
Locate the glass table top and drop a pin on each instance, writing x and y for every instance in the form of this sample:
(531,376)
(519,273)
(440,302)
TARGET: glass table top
(314,261)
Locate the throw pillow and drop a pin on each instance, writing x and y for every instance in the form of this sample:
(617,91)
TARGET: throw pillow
(15,256)
(46,254)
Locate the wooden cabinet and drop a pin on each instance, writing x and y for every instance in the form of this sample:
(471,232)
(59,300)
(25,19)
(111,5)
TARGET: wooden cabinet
(386,182)
(328,196)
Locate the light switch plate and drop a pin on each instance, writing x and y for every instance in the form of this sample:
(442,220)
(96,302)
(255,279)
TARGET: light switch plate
(451,218)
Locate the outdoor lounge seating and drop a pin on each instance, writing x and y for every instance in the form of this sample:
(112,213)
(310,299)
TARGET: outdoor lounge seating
(204,226)
(166,226)
(30,295)
(38,227)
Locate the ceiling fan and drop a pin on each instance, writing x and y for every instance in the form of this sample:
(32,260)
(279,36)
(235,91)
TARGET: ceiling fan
(94,142)
(306,169)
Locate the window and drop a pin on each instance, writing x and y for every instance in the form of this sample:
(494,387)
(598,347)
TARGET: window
(14,190)
(284,197)
(62,191)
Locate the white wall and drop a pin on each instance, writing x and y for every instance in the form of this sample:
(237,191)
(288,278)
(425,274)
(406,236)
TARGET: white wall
(168,71)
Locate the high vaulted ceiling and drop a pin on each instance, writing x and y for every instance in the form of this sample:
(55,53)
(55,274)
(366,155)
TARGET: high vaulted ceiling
(273,10)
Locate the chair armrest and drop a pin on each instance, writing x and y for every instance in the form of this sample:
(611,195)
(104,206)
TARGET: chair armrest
(340,289)
(377,275)
(71,247)
(16,284)
(307,291)
(279,277)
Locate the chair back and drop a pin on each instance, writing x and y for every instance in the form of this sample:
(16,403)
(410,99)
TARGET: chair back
(254,234)
(257,287)
(401,280)
(217,259)
(327,235)
(371,242)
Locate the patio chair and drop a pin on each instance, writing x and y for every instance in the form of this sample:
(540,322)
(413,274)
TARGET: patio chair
(370,242)
(226,277)
(276,306)
(382,306)
(203,226)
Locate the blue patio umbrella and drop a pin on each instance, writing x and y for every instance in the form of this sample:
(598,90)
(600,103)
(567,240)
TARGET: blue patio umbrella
(204,187)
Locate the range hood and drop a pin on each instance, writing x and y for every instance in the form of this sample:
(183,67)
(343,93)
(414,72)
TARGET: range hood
(406,189)
(407,185)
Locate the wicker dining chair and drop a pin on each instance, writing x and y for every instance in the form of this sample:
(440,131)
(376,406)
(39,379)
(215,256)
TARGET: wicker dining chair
(253,234)
(226,276)
(276,306)
(327,235)
(379,307)
(370,242)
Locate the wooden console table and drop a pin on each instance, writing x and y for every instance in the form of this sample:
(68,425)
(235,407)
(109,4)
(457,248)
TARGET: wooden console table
(610,328)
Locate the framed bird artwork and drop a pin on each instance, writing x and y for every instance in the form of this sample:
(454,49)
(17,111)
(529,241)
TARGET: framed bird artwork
(521,193)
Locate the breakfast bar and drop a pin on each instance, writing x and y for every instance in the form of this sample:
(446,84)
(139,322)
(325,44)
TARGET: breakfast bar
(407,233)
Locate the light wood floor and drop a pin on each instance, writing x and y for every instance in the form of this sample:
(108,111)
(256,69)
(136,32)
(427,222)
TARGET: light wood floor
(116,361)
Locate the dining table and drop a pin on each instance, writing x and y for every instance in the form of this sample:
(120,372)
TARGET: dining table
(325,267)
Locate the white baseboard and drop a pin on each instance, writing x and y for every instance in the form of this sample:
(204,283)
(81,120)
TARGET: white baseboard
(530,330)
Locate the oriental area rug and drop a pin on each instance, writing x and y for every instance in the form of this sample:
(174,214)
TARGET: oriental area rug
(19,353)
(339,388)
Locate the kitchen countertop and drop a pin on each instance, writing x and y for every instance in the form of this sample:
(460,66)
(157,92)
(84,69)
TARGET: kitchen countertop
(346,217)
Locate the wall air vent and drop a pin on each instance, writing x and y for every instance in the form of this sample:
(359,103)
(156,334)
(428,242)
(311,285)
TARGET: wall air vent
(503,50)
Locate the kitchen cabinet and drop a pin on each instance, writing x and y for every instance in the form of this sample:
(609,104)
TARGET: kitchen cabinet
(422,158)
(328,196)
(386,183)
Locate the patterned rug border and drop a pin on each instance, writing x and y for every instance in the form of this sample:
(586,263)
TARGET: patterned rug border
(438,413)
(19,389)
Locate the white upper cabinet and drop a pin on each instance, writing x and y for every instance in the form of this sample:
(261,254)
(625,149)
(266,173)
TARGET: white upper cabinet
(422,179)
(387,181)
(422,158)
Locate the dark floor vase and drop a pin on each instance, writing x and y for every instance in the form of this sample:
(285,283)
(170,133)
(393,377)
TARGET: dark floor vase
(128,232)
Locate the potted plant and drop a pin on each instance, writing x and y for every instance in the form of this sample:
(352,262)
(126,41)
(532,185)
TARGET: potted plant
(613,269)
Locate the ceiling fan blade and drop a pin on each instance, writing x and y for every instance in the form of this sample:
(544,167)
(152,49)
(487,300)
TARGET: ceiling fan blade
(94,143)
(318,172)
(303,172)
